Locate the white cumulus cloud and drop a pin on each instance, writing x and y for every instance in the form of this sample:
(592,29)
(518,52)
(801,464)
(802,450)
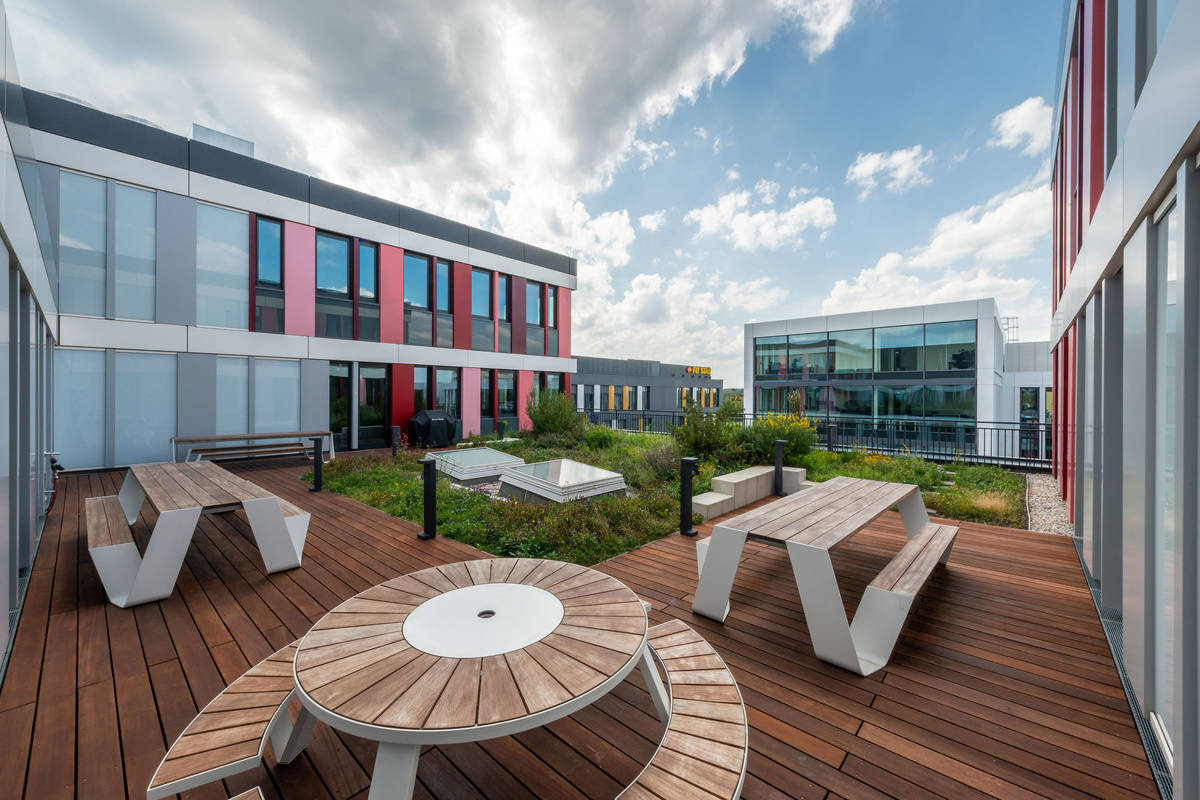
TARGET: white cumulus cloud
(649,152)
(1025,126)
(767,191)
(902,169)
(653,221)
(732,219)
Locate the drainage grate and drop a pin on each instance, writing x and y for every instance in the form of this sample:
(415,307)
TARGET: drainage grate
(1113,627)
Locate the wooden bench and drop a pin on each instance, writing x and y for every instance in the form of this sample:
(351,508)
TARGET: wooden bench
(249,445)
(229,735)
(128,577)
(704,750)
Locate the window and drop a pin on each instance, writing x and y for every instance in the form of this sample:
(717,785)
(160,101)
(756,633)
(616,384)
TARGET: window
(82,244)
(816,401)
(850,352)
(551,306)
(485,393)
(269,258)
(335,309)
(222,267)
(481,294)
(416,281)
(233,395)
(533,303)
(372,405)
(852,401)
(268,279)
(506,394)
(1152,20)
(950,346)
(420,388)
(79,406)
(134,251)
(900,349)
(770,356)
(447,391)
(276,395)
(1165,697)
(956,402)
(808,355)
(443,286)
(339,404)
(144,415)
(368,293)
(898,401)
(503,293)
(1029,404)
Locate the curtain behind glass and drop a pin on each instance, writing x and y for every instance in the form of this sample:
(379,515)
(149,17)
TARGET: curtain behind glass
(233,395)
(276,395)
(82,247)
(222,267)
(134,251)
(79,407)
(145,406)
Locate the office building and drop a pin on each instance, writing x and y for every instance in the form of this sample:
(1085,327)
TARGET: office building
(1126,347)
(627,384)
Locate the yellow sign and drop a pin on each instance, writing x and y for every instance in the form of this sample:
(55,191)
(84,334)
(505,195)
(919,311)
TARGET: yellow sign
(698,370)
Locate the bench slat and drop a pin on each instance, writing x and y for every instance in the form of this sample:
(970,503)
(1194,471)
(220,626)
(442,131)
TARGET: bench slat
(106,525)
(908,569)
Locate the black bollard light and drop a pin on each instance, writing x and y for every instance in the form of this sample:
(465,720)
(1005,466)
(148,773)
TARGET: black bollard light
(779,443)
(687,465)
(429,478)
(318,460)
(500,428)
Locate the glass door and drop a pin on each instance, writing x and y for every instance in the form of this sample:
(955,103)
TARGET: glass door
(339,404)
(372,405)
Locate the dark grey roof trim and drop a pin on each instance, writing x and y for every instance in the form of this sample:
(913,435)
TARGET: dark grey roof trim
(75,121)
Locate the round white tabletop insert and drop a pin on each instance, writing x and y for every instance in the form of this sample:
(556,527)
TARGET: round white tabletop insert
(484,620)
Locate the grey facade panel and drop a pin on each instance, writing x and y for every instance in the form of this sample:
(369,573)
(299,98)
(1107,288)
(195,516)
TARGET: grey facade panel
(197,399)
(1089,500)
(216,162)
(314,395)
(495,243)
(432,225)
(549,259)
(348,201)
(1137,459)
(76,121)
(110,249)
(175,259)
(1109,486)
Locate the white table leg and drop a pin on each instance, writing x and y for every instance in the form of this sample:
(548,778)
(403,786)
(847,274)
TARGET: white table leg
(717,559)
(654,685)
(288,738)
(280,539)
(131,496)
(169,541)
(913,513)
(824,612)
(395,773)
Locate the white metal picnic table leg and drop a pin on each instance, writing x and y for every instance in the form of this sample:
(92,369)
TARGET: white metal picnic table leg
(717,559)
(913,513)
(288,737)
(159,569)
(654,685)
(131,496)
(824,612)
(280,539)
(395,773)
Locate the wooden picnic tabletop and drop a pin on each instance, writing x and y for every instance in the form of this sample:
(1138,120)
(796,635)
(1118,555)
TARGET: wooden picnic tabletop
(193,484)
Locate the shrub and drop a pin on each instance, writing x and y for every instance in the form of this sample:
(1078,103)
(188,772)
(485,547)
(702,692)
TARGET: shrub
(707,436)
(597,437)
(758,440)
(551,412)
(662,460)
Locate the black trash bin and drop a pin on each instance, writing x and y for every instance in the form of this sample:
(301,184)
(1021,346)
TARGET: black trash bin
(431,428)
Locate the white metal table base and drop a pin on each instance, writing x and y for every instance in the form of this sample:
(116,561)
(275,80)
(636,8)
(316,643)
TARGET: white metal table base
(280,539)
(863,646)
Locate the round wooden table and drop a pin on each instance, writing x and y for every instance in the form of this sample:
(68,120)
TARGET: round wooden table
(467,651)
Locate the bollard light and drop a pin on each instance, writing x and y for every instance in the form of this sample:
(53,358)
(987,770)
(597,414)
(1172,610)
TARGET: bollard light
(687,466)
(429,478)
(318,460)
(779,443)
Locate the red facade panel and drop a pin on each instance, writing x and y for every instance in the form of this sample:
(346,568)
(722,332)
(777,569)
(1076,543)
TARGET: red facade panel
(402,395)
(299,279)
(391,294)
(517,308)
(460,303)
(564,322)
(1093,116)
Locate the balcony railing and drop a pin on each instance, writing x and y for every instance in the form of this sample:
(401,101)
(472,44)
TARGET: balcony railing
(1026,445)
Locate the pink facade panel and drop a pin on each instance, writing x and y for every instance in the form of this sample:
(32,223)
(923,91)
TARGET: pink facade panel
(299,279)
(391,294)
(470,401)
(564,322)
(524,388)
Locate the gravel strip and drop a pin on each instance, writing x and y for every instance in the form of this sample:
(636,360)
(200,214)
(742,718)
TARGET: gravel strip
(1047,511)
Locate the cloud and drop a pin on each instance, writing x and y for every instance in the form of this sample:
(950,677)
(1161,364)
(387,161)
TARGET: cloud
(653,221)
(767,191)
(733,174)
(701,133)
(903,169)
(799,191)
(965,258)
(652,151)
(769,229)
(1025,126)
(822,21)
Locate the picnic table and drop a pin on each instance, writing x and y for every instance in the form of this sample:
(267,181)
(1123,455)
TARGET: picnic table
(809,524)
(180,493)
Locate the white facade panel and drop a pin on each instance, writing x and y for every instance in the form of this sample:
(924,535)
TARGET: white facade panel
(351,350)
(83,157)
(227,341)
(430,246)
(246,198)
(121,334)
(351,225)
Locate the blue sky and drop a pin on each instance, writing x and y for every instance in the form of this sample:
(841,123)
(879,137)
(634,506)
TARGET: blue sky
(708,163)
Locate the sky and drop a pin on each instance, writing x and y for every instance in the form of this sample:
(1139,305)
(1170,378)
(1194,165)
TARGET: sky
(709,164)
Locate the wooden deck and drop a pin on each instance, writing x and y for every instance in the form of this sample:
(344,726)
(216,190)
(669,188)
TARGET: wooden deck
(1001,686)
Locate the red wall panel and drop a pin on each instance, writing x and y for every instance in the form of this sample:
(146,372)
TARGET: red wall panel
(1093,116)
(402,395)
(460,304)
(564,322)
(517,308)
(299,279)
(391,294)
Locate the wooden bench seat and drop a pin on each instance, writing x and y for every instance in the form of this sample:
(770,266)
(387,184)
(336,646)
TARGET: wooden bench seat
(909,569)
(249,450)
(703,752)
(249,794)
(229,735)
(106,525)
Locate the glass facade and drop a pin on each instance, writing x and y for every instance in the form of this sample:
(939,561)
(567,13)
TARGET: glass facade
(952,402)
(551,306)
(485,393)
(222,267)
(420,388)
(808,355)
(900,349)
(443,286)
(770,356)
(268,281)
(506,393)
(851,352)
(276,395)
(851,401)
(448,398)
(339,404)
(367,319)
(82,244)
(78,406)
(335,309)
(899,401)
(133,248)
(950,346)
(416,281)
(233,393)
(372,405)
(533,303)
(481,294)
(145,398)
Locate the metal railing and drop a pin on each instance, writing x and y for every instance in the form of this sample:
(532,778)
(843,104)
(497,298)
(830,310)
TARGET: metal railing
(1026,445)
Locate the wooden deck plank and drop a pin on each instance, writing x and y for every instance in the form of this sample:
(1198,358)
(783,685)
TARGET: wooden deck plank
(1002,683)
